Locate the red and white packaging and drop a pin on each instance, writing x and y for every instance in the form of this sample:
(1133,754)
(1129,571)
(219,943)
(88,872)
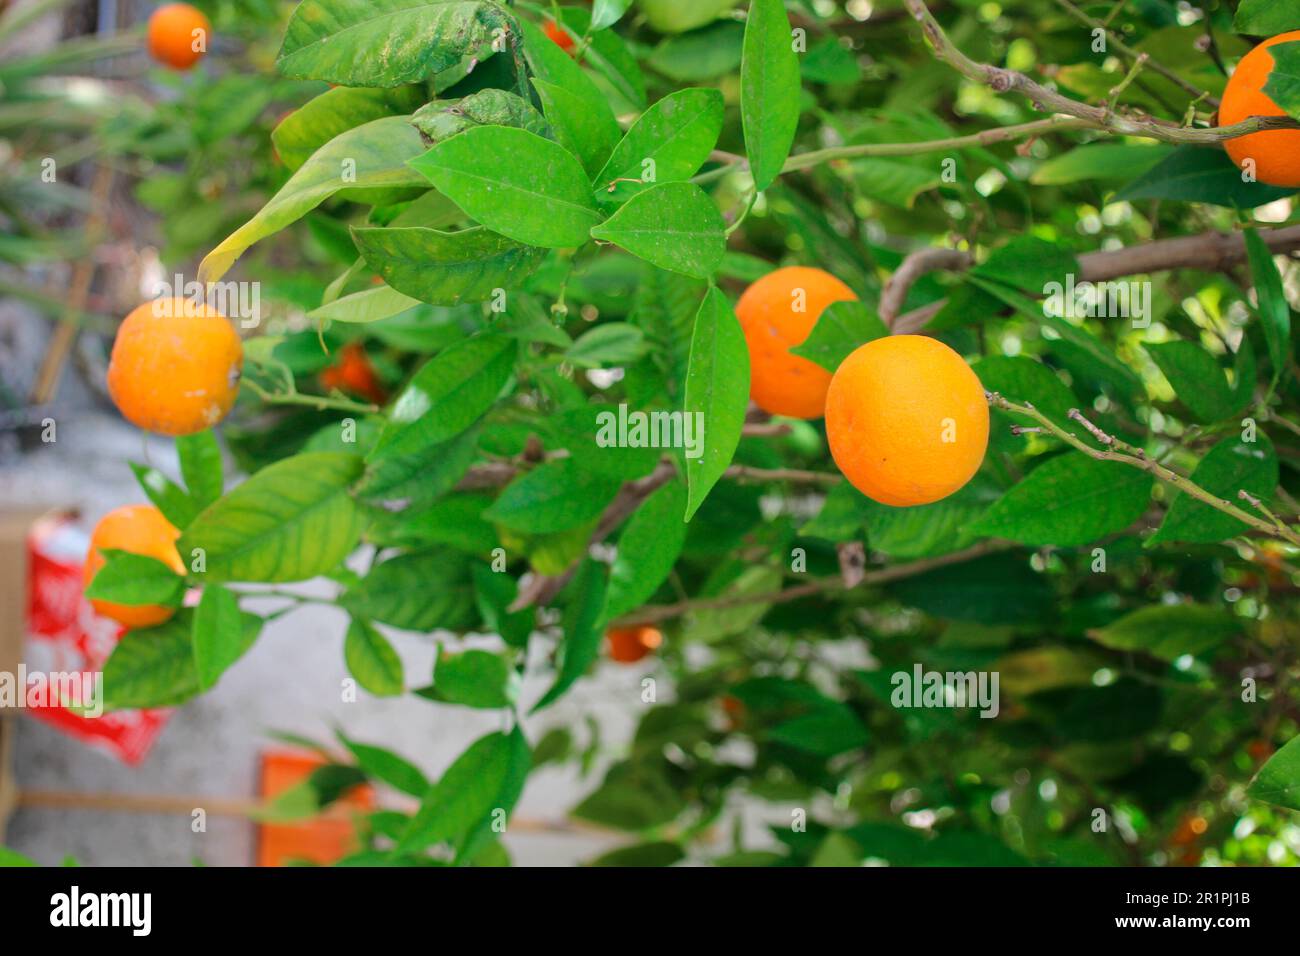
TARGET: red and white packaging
(65,635)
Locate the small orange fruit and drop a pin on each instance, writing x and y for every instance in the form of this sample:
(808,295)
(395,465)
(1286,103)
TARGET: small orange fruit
(175,367)
(776,313)
(1276,152)
(353,373)
(627,645)
(560,36)
(177,35)
(139,529)
(907,420)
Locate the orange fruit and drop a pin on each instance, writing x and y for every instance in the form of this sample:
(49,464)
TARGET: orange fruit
(353,373)
(628,645)
(175,367)
(140,529)
(177,35)
(777,312)
(560,36)
(1276,152)
(907,420)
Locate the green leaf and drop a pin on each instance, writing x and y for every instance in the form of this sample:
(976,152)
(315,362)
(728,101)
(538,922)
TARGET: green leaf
(610,343)
(218,634)
(494,593)
(842,514)
(584,627)
(372,660)
(387,42)
(632,798)
(154,667)
(994,589)
(583,131)
(700,55)
(606,13)
(446,268)
(1021,379)
(1197,174)
(605,52)
(443,119)
(1197,379)
(647,549)
(374,155)
(769,90)
(826,731)
(1278,781)
(1098,161)
(717,390)
(1274,312)
(134,579)
(515,183)
(552,65)
(1068,501)
(554,496)
(366,306)
(459,808)
(674,226)
(1283,86)
(455,520)
(840,329)
(201,466)
(418,591)
(386,766)
(167,496)
(291,521)
(656,853)
(669,142)
(1230,466)
(423,476)
(830,61)
(1266,18)
(1168,631)
(336,111)
(12,858)
(447,395)
(474,678)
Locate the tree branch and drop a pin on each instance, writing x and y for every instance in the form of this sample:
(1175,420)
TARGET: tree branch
(915,265)
(1002,80)
(1126,454)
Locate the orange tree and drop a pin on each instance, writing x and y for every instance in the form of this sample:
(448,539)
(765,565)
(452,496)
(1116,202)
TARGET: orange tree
(1090,487)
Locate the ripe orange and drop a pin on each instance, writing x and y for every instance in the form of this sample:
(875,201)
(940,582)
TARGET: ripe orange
(628,645)
(907,420)
(777,312)
(175,367)
(178,35)
(353,373)
(560,36)
(1276,152)
(140,529)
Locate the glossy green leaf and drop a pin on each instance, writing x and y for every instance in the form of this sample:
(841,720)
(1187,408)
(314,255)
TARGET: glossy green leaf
(372,156)
(555,496)
(290,521)
(381,764)
(1169,631)
(514,182)
(581,130)
(674,226)
(769,90)
(669,142)
(1274,311)
(446,268)
(167,496)
(134,579)
(1278,781)
(584,629)
(447,395)
(840,329)
(387,42)
(200,458)
(218,634)
(1197,174)
(717,392)
(474,678)
(1266,18)
(336,111)
(418,591)
(443,119)
(372,660)
(1197,379)
(610,343)
(1229,467)
(647,549)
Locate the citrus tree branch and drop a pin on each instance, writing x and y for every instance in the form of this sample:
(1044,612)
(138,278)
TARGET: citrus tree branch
(1119,451)
(1002,80)
(1208,251)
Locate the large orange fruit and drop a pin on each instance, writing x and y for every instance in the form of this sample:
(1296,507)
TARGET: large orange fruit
(175,367)
(907,420)
(139,529)
(628,645)
(177,35)
(777,312)
(1276,152)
